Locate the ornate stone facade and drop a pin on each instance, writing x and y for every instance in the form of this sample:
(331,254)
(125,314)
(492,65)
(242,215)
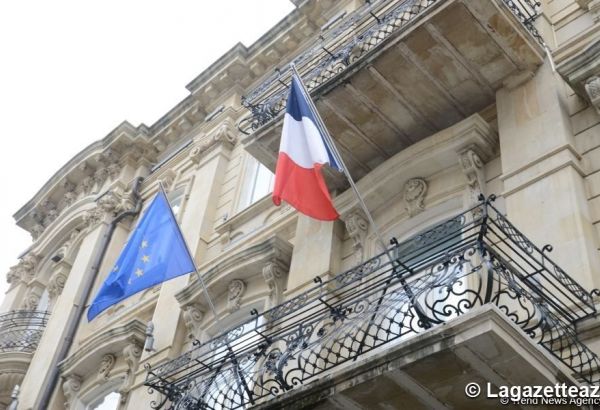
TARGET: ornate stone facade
(425,122)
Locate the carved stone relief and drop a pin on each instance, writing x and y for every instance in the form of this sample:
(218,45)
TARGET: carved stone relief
(236,290)
(472,166)
(592,87)
(192,317)
(357,227)
(273,277)
(71,385)
(415,191)
(57,281)
(131,354)
(106,365)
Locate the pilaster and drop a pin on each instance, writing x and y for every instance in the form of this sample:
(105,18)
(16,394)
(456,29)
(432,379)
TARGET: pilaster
(543,178)
(316,252)
(209,168)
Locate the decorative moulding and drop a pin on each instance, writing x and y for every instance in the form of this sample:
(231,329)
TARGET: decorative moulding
(86,358)
(239,264)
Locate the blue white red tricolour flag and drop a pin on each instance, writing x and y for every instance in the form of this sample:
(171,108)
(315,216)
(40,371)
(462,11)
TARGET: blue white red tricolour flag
(302,154)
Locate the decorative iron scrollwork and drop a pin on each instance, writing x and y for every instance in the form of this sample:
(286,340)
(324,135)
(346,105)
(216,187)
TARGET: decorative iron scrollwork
(430,279)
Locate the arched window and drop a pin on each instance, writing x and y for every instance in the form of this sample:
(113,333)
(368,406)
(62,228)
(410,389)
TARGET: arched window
(108,401)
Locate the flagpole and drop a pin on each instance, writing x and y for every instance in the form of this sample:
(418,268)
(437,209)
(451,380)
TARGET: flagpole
(338,157)
(210,302)
(339,160)
(187,248)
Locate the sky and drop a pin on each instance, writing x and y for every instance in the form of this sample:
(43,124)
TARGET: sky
(73,70)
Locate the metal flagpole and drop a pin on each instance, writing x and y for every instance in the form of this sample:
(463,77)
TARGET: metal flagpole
(363,205)
(339,160)
(187,248)
(239,372)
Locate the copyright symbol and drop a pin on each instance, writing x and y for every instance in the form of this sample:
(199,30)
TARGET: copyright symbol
(472,390)
(504,400)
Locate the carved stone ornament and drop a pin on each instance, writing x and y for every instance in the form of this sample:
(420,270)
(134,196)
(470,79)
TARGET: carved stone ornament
(131,354)
(13,275)
(236,290)
(92,217)
(19,272)
(57,283)
(63,251)
(592,87)
(87,184)
(25,269)
(273,278)
(100,176)
(192,317)
(31,301)
(357,227)
(223,134)
(106,365)
(114,170)
(195,154)
(111,203)
(167,180)
(472,167)
(415,190)
(71,385)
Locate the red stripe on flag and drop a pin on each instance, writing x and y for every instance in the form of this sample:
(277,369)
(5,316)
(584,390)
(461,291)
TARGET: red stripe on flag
(303,188)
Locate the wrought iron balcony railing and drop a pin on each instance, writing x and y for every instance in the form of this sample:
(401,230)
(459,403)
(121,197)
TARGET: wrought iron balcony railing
(473,259)
(21,330)
(345,44)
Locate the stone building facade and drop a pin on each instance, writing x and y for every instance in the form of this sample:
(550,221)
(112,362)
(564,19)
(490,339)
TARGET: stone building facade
(472,128)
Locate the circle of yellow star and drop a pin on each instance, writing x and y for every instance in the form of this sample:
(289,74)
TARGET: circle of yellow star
(144,244)
(139,272)
(145,258)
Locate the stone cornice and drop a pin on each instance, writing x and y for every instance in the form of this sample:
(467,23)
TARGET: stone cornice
(237,69)
(110,341)
(579,67)
(298,24)
(87,174)
(241,264)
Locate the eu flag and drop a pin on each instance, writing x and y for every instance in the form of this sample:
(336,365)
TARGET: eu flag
(155,252)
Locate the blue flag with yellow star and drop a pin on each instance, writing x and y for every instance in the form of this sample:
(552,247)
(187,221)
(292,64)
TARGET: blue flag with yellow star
(155,252)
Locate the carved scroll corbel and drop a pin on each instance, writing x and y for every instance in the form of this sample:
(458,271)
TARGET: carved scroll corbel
(472,167)
(357,228)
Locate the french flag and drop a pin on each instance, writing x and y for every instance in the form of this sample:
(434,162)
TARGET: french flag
(302,154)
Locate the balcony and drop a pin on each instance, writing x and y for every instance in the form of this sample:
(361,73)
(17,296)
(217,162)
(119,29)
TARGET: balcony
(471,299)
(20,333)
(21,330)
(394,72)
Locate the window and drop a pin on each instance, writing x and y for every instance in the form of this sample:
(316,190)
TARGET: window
(109,401)
(258,182)
(44,301)
(176,201)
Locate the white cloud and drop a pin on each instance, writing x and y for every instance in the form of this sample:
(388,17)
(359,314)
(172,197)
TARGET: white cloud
(72,71)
